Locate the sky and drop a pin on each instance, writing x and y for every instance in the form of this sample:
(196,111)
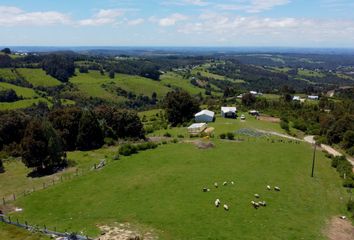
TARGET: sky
(202,23)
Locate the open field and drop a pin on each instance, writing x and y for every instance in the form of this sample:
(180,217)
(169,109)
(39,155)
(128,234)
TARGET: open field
(12,232)
(176,81)
(310,73)
(162,190)
(20,91)
(23,104)
(38,77)
(90,84)
(8,74)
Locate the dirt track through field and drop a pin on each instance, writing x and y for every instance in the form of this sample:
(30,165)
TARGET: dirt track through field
(339,229)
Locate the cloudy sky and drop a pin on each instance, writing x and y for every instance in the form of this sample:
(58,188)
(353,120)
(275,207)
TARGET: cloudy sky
(295,23)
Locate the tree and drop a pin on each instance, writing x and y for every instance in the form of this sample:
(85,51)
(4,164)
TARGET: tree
(90,135)
(6,50)
(83,69)
(1,166)
(8,95)
(120,123)
(12,127)
(248,99)
(180,107)
(348,139)
(41,147)
(5,61)
(66,121)
(59,66)
(111,74)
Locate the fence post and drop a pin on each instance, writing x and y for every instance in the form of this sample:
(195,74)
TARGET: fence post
(26,224)
(43,185)
(53,181)
(3,200)
(17,221)
(33,189)
(77,172)
(9,219)
(61,178)
(14,197)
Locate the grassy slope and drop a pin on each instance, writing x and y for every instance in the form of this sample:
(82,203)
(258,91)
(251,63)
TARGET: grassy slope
(91,85)
(309,73)
(176,80)
(23,104)
(11,232)
(20,91)
(7,73)
(37,77)
(163,190)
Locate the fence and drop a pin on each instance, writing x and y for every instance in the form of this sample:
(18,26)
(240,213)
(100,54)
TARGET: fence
(44,185)
(44,230)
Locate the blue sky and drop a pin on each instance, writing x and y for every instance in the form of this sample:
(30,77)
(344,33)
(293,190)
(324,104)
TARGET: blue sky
(235,23)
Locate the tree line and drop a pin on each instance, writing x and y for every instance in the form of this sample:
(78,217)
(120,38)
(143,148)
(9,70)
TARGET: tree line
(41,140)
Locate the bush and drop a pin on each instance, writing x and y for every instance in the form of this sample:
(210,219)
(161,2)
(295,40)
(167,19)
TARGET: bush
(350,206)
(109,141)
(350,151)
(223,136)
(175,140)
(128,149)
(167,134)
(284,125)
(180,136)
(230,136)
(146,146)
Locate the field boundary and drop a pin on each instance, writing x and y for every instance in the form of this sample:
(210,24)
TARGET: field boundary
(44,230)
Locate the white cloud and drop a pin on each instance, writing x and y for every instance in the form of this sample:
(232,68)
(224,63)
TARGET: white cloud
(252,6)
(12,16)
(200,3)
(170,20)
(102,17)
(197,2)
(135,22)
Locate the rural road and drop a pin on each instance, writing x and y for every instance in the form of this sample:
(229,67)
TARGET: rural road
(329,149)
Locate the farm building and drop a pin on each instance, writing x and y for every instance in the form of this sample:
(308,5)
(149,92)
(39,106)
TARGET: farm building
(296,98)
(205,116)
(197,128)
(228,112)
(312,97)
(254,112)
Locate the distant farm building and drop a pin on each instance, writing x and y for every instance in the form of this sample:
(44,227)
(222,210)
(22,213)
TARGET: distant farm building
(197,128)
(296,98)
(313,97)
(228,112)
(253,113)
(205,116)
(255,93)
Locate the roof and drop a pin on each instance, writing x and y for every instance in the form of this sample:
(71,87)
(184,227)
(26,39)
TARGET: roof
(197,125)
(205,112)
(296,98)
(228,109)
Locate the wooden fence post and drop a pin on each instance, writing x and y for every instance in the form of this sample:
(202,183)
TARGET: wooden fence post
(14,196)
(9,219)
(3,201)
(44,185)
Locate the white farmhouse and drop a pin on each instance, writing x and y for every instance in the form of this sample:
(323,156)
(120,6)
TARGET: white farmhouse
(197,128)
(205,116)
(228,112)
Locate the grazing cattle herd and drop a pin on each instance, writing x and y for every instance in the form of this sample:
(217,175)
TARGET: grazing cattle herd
(255,204)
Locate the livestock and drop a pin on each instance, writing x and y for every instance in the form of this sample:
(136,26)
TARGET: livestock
(217,203)
(277,189)
(226,207)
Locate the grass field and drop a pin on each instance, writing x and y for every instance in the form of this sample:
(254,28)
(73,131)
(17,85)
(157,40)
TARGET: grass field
(176,81)
(11,232)
(162,190)
(23,104)
(37,77)
(91,85)
(309,73)
(8,74)
(20,91)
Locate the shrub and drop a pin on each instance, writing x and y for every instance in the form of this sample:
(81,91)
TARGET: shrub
(230,136)
(284,125)
(180,136)
(128,149)
(116,157)
(164,142)
(223,136)
(109,141)
(146,146)
(350,206)
(175,140)
(350,151)
(167,134)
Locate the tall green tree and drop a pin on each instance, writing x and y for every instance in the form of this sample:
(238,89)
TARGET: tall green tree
(41,147)
(59,66)
(180,107)
(1,166)
(90,135)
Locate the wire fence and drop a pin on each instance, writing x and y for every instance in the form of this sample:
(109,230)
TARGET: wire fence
(6,200)
(44,230)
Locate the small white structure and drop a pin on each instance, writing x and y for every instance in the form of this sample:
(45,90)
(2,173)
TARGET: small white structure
(228,112)
(205,116)
(296,98)
(313,97)
(255,93)
(197,128)
(254,112)
(243,118)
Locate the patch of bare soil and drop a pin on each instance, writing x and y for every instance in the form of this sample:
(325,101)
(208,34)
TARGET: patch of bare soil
(203,144)
(125,232)
(269,119)
(340,229)
(158,139)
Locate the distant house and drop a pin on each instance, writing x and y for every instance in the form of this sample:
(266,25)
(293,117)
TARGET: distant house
(197,128)
(313,97)
(228,112)
(255,93)
(254,112)
(205,116)
(296,98)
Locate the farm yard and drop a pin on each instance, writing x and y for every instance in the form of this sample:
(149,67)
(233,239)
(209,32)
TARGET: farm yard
(162,191)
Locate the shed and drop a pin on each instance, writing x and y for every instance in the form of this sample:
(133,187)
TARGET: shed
(197,128)
(205,116)
(228,112)
(312,97)
(254,112)
(296,98)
